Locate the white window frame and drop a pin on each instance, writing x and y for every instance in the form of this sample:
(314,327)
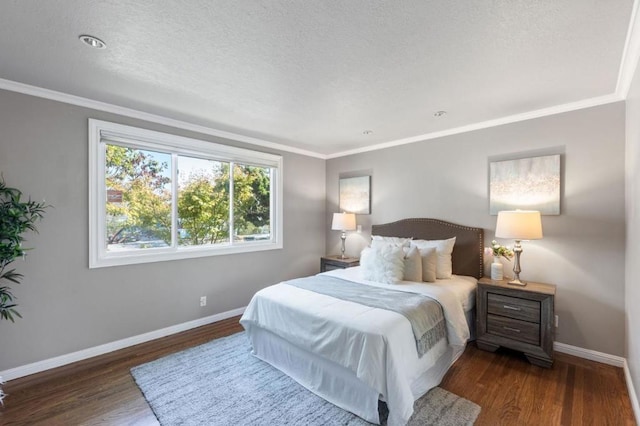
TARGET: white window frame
(176,145)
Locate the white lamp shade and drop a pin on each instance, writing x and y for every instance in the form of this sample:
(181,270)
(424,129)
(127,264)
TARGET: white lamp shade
(343,222)
(519,225)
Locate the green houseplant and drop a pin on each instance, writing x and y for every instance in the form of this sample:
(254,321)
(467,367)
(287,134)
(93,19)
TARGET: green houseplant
(17,217)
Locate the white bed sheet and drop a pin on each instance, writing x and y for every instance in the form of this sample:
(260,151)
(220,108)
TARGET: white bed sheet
(377,345)
(462,286)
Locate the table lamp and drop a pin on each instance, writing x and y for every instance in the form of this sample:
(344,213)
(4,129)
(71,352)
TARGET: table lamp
(519,225)
(343,222)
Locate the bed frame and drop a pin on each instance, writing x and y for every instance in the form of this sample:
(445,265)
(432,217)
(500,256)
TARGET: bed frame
(347,391)
(467,256)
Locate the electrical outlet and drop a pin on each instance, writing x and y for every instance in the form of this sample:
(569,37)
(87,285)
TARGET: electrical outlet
(203,301)
(359,229)
(556,321)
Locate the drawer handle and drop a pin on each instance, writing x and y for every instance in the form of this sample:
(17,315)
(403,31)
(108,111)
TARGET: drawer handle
(513,308)
(511,329)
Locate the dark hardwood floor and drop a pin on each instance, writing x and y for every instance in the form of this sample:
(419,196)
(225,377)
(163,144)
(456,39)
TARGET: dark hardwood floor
(100,391)
(511,391)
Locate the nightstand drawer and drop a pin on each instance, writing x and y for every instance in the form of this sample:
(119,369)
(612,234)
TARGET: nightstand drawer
(331,266)
(513,307)
(522,331)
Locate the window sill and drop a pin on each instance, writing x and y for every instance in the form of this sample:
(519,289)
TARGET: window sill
(160,255)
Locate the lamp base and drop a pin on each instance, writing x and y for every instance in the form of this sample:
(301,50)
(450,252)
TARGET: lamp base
(517,249)
(343,237)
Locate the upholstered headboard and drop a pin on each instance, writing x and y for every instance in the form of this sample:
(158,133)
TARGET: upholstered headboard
(467,257)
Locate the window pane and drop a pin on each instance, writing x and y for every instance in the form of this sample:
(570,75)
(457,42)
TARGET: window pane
(203,201)
(156,196)
(251,203)
(138,207)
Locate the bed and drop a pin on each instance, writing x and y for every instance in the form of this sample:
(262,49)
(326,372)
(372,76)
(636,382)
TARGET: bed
(353,354)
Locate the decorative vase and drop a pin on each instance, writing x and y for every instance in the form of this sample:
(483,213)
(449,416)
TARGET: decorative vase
(497,270)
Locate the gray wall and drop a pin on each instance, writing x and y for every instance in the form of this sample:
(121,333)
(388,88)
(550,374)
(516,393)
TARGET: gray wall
(583,250)
(632,292)
(67,307)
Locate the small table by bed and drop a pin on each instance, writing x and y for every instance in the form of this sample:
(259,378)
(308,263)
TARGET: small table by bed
(519,318)
(329,263)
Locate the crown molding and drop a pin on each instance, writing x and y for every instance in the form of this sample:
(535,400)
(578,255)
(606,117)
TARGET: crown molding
(40,92)
(630,54)
(153,118)
(558,109)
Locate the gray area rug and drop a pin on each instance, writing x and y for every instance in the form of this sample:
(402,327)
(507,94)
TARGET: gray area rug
(221,383)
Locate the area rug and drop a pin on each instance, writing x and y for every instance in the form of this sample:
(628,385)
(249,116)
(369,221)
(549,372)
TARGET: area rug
(221,383)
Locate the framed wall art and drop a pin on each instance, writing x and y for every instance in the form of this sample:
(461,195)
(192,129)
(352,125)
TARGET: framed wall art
(355,195)
(526,184)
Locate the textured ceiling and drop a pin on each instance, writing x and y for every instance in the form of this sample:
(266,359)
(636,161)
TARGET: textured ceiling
(315,74)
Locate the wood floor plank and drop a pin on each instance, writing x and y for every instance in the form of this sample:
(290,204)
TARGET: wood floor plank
(101,391)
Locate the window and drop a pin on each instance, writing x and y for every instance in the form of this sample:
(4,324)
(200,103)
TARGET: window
(155,196)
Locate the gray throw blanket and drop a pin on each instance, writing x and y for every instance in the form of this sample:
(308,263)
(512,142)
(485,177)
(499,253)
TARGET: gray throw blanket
(424,313)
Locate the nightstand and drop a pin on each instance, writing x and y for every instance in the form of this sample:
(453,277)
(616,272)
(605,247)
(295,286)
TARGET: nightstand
(329,263)
(520,318)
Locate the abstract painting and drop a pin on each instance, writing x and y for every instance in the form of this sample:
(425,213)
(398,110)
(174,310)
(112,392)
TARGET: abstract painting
(525,184)
(355,195)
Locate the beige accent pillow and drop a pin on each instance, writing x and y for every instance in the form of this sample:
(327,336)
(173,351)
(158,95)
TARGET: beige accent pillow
(412,264)
(444,248)
(429,260)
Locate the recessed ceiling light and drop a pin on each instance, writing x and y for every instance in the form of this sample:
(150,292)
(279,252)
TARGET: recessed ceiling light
(367,132)
(439,113)
(93,41)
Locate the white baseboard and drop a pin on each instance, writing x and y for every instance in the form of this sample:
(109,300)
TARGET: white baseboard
(61,360)
(632,392)
(616,361)
(41,92)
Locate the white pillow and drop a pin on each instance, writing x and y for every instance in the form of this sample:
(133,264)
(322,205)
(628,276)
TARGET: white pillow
(412,264)
(377,240)
(444,248)
(384,264)
(429,260)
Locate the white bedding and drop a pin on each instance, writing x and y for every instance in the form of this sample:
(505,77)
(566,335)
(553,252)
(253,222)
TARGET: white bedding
(464,287)
(377,345)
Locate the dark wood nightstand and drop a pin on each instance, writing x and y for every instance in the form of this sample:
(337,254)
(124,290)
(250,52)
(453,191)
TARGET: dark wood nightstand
(328,263)
(520,318)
